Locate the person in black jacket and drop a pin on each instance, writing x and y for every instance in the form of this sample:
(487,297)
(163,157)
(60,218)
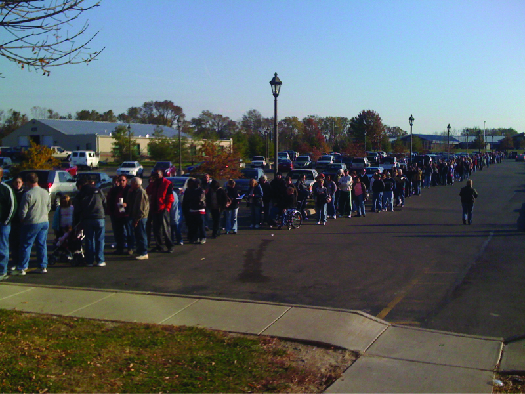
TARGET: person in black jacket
(194,209)
(378,187)
(468,195)
(267,198)
(232,209)
(89,211)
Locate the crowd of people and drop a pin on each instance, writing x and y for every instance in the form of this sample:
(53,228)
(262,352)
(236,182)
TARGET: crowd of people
(159,212)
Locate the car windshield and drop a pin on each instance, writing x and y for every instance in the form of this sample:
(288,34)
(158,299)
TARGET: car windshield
(388,160)
(359,160)
(303,158)
(258,158)
(128,164)
(326,158)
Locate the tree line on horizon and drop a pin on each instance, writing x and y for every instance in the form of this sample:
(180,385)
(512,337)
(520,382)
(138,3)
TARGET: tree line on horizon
(253,134)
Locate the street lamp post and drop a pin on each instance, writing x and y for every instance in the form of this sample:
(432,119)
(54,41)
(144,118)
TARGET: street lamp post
(484,138)
(129,140)
(448,141)
(179,125)
(276,88)
(411,122)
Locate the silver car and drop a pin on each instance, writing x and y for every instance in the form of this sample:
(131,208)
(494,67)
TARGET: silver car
(56,182)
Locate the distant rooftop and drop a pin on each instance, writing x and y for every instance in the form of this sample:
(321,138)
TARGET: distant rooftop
(78,127)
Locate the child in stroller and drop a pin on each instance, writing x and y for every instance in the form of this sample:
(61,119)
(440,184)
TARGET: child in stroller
(69,247)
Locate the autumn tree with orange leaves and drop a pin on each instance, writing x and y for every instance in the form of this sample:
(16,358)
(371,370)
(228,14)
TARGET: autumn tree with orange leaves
(219,163)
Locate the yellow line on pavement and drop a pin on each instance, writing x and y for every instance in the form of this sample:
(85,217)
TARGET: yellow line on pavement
(400,297)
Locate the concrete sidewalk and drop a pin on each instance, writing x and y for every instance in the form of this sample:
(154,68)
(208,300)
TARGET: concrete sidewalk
(392,358)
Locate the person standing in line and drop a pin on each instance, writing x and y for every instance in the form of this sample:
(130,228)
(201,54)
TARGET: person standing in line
(345,195)
(468,195)
(331,189)
(14,236)
(321,199)
(161,200)
(8,209)
(232,211)
(359,192)
(267,199)
(176,216)
(378,187)
(137,202)
(89,207)
(34,216)
(303,192)
(194,209)
(216,202)
(388,192)
(255,196)
(118,213)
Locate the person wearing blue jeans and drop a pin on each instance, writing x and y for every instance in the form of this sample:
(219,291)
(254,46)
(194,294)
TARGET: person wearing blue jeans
(89,210)
(232,210)
(321,197)
(138,207)
(176,217)
(34,218)
(95,230)
(7,212)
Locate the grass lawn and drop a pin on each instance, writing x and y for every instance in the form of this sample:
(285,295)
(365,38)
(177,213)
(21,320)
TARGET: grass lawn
(42,353)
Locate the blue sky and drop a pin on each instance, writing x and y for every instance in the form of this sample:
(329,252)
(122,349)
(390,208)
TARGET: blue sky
(457,62)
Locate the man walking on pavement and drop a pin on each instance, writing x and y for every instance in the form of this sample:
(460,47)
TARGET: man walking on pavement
(7,212)
(89,212)
(138,208)
(34,218)
(160,191)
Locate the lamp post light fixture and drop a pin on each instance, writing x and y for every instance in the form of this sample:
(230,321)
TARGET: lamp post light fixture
(448,141)
(411,123)
(276,88)
(129,140)
(179,125)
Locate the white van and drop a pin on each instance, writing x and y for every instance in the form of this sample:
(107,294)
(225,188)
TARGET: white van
(84,159)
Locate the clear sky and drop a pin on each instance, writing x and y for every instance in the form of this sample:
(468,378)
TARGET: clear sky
(444,61)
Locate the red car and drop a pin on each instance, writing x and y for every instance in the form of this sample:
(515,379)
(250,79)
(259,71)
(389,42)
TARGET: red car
(69,167)
(285,165)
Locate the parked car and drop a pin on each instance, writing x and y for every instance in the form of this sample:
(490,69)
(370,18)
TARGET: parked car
(179,182)
(56,182)
(309,174)
(131,168)
(258,161)
(102,180)
(334,168)
(370,171)
(84,159)
(166,167)
(303,161)
(193,167)
(59,152)
(359,163)
(283,155)
(69,167)
(285,165)
(6,163)
(292,154)
(520,157)
(252,173)
(323,162)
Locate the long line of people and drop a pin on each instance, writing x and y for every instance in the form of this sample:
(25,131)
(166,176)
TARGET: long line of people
(137,214)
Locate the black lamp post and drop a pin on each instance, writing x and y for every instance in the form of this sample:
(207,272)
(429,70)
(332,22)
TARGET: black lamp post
(179,125)
(276,88)
(129,140)
(411,122)
(448,141)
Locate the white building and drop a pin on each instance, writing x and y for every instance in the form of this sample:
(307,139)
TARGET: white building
(88,135)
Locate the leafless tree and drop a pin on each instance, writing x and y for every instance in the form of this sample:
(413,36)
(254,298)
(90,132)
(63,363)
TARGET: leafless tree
(37,33)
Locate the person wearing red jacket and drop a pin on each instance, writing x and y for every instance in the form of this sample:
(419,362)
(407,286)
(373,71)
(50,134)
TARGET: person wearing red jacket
(160,192)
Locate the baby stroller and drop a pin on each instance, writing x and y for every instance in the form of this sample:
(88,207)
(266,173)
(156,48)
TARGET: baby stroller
(68,248)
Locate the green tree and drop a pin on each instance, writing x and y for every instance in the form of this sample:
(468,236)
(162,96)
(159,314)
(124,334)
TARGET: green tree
(368,123)
(123,141)
(37,35)
(13,121)
(395,131)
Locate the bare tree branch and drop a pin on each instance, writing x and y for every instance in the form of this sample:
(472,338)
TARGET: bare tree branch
(37,33)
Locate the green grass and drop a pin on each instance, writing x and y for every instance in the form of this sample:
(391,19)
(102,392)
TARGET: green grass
(41,353)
